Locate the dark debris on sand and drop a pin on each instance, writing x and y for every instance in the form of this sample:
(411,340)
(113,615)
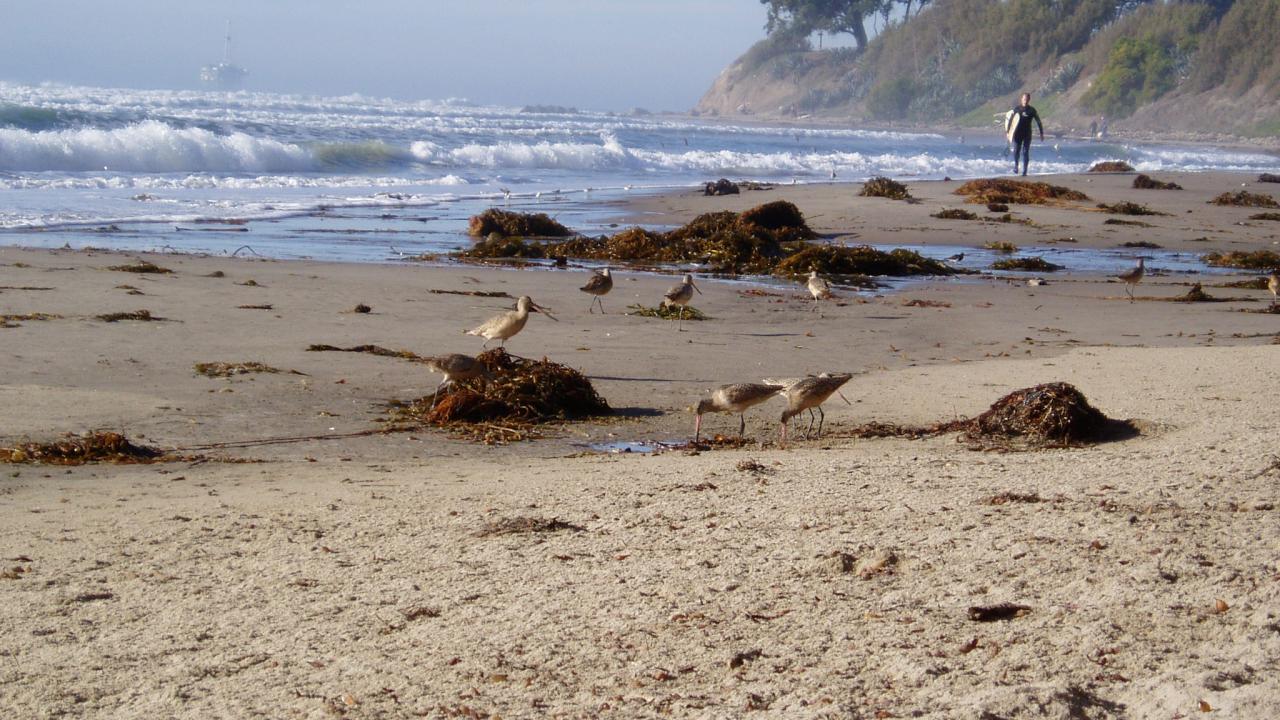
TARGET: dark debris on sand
(1029,264)
(1242,198)
(141,266)
(1111,166)
(519,395)
(1146,182)
(1022,192)
(505,223)
(1256,260)
(886,188)
(956,214)
(1128,208)
(526,525)
(95,447)
(138,315)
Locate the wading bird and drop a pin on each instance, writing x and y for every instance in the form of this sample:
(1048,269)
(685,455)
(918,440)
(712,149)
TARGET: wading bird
(736,398)
(598,286)
(1133,277)
(503,327)
(681,295)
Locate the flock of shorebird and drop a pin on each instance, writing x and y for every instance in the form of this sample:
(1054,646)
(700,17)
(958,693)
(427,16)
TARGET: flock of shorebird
(801,394)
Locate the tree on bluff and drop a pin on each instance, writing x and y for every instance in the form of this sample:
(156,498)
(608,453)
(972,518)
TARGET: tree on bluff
(835,16)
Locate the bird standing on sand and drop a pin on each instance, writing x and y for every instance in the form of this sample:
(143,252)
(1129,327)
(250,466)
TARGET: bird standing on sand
(808,394)
(818,288)
(681,295)
(598,286)
(1273,284)
(503,327)
(455,367)
(1133,277)
(736,398)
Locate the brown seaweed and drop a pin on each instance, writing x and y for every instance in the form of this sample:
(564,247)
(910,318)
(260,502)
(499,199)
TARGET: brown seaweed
(1031,264)
(1242,198)
(886,188)
(1146,182)
(505,223)
(101,446)
(1255,260)
(141,266)
(1021,192)
(954,214)
(1111,166)
(1128,208)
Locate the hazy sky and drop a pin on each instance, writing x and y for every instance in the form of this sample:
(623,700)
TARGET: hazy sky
(592,54)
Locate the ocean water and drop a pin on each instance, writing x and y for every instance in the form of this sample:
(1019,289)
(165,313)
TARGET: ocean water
(370,180)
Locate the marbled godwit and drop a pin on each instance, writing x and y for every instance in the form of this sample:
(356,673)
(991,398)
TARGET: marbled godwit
(681,295)
(1273,284)
(504,326)
(454,367)
(808,394)
(818,288)
(599,285)
(1133,277)
(735,398)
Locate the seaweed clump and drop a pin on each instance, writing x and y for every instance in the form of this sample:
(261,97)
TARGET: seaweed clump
(1033,264)
(226,369)
(1242,198)
(1256,260)
(139,315)
(955,214)
(108,447)
(1269,178)
(512,224)
(519,393)
(723,186)
(143,267)
(1128,208)
(1111,166)
(859,261)
(881,186)
(668,312)
(1146,182)
(1044,416)
(1019,192)
(1265,216)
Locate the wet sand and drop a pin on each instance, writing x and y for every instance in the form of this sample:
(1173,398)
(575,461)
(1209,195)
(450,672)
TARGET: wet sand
(354,575)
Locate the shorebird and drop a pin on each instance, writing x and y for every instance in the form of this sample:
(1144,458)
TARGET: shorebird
(681,295)
(599,285)
(808,394)
(736,398)
(955,258)
(1133,277)
(503,327)
(1273,284)
(455,367)
(818,288)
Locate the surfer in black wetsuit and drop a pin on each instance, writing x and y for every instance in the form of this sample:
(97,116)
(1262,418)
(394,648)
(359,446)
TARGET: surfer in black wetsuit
(1019,129)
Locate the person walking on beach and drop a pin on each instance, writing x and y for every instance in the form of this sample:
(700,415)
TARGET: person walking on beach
(1018,127)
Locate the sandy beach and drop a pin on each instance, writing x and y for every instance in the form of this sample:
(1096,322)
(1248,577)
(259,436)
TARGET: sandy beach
(308,568)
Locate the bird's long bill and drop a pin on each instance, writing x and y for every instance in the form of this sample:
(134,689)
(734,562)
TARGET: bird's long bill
(695,287)
(842,397)
(544,311)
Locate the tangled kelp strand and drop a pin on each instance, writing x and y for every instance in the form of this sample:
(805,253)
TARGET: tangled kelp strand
(227,369)
(954,214)
(138,315)
(1146,182)
(1031,264)
(844,263)
(884,187)
(667,312)
(1128,208)
(1255,260)
(505,223)
(141,266)
(1111,166)
(1022,192)
(101,446)
(518,395)
(1242,198)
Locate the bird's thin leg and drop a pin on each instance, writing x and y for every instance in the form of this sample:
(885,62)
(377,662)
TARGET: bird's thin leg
(697,427)
(592,307)
(436,397)
(742,424)
(601,301)
(808,431)
(821,418)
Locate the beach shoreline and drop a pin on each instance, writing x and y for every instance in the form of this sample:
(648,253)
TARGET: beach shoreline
(306,569)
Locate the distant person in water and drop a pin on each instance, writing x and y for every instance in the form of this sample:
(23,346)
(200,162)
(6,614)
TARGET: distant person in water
(1018,127)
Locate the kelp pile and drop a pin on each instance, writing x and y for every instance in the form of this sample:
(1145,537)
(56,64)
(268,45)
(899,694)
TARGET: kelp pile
(954,214)
(519,394)
(226,369)
(1132,223)
(996,207)
(1007,248)
(1269,178)
(723,186)
(1146,182)
(1044,416)
(1031,264)
(1019,192)
(851,264)
(1128,208)
(512,224)
(885,188)
(1053,415)
(667,312)
(1265,216)
(143,267)
(106,447)
(1242,198)
(1256,260)
(138,315)
(1111,166)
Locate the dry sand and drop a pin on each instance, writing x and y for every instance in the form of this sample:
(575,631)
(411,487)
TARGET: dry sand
(361,576)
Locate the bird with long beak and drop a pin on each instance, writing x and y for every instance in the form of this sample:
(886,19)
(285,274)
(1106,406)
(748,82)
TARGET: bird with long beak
(736,398)
(504,326)
(681,295)
(1273,284)
(455,367)
(1133,277)
(598,286)
(809,393)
